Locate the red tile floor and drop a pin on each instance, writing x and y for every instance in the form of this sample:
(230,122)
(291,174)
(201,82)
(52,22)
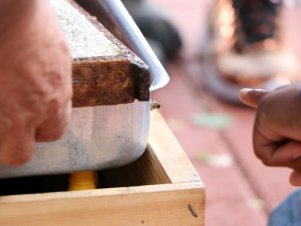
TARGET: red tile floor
(240,192)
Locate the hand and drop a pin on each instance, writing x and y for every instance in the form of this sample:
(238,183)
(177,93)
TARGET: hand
(35,79)
(277,127)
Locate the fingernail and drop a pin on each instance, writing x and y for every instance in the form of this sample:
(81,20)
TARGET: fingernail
(245,90)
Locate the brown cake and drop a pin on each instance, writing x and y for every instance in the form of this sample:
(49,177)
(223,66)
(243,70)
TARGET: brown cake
(105,72)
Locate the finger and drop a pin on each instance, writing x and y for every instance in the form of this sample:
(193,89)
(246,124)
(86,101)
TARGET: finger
(54,126)
(17,146)
(251,97)
(287,154)
(295,178)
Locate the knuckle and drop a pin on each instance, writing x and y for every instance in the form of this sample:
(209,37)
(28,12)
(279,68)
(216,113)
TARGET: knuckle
(264,158)
(54,135)
(54,127)
(265,162)
(257,152)
(50,133)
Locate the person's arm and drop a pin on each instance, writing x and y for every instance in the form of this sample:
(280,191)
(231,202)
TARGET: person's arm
(277,127)
(35,79)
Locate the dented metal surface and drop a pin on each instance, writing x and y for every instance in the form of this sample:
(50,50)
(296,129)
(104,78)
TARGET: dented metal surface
(97,138)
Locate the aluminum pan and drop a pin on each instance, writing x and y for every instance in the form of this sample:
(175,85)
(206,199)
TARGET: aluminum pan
(98,137)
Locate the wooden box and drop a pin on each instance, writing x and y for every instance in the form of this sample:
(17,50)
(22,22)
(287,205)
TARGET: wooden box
(161,188)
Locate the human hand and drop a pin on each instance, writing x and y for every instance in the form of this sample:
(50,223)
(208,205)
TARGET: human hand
(35,79)
(277,127)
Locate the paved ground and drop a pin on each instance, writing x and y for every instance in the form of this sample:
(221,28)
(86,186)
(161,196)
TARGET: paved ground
(216,135)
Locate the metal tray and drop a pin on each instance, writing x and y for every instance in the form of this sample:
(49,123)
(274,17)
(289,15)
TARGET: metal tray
(98,137)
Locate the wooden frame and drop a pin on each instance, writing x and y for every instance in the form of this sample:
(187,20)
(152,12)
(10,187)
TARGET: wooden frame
(161,188)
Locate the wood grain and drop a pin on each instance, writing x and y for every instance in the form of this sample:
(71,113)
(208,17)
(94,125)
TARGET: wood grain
(167,191)
(159,205)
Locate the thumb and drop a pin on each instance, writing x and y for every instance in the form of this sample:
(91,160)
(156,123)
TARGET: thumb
(251,97)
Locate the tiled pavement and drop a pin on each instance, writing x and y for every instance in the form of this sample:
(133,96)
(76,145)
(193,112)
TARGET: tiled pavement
(239,192)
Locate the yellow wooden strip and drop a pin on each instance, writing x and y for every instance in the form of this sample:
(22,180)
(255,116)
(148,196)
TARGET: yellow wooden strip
(167,149)
(160,205)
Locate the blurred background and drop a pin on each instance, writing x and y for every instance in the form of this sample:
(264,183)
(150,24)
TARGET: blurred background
(215,134)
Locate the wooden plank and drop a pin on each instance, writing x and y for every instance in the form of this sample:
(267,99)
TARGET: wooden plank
(169,153)
(160,205)
(146,170)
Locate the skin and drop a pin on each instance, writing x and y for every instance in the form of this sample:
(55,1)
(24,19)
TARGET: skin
(35,78)
(277,127)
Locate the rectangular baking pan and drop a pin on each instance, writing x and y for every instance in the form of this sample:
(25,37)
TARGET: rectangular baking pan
(111,103)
